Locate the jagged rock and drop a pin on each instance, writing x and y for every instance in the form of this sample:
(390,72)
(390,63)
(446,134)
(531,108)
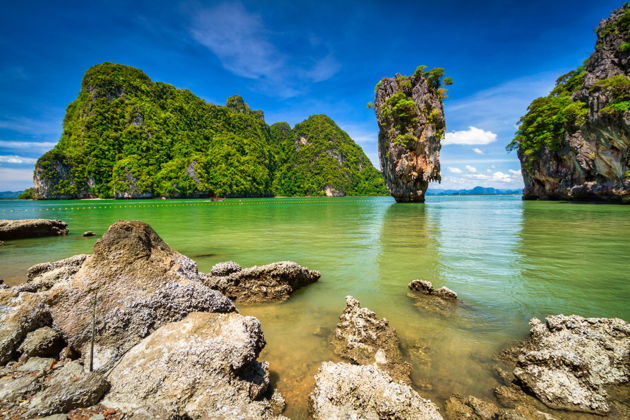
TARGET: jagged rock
(274,282)
(31,228)
(569,360)
(45,275)
(201,367)
(88,233)
(345,391)
(362,338)
(27,313)
(411,125)
(439,301)
(43,341)
(136,283)
(426,287)
(225,268)
(587,157)
(458,407)
(68,388)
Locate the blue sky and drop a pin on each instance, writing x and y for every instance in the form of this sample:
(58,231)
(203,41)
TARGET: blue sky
(296,58)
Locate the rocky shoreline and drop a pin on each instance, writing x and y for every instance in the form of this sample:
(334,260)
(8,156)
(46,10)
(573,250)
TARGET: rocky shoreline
(134,330)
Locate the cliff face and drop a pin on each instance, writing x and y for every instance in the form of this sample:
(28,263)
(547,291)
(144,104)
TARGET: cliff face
(574,144)
(319,158)
(126,136)
(411,122)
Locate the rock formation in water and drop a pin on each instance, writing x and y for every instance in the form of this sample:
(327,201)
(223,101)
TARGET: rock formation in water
(160,341)
(362,338)
(574,144)
(377,384)
(569,361)
(31,228)
(274,282)
(126,136)
(411,122)
(441,301)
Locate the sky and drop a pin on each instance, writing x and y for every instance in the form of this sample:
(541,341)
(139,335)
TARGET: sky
(296,58)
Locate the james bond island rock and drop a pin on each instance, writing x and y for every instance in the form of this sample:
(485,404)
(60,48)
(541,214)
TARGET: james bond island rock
(126,136)
(362,338)
(411,122)
(568,361)
(274,282)
(574,144)
(31,228)
(164,343)
(345,391)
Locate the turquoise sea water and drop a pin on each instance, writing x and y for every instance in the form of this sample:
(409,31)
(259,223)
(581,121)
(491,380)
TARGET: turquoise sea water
(509,261)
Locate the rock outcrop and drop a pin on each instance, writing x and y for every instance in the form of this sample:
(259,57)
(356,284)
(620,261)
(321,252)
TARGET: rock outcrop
(163,341)
(586,156)
(458,407)
(568,361)
(274,282)
(31,228)
(201,367)
(440,301)
(345,391)
(364,339)
(411,122)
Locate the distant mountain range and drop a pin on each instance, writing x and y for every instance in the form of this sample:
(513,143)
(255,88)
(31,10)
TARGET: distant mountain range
(474,191)
(10,194)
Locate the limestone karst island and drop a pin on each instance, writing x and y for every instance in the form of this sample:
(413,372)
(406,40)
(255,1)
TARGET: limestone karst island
(303,210)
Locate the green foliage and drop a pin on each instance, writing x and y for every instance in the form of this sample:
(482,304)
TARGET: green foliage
(618,88)
(27,194)
(448,81)
(318,154)
(125,135)
(370,105)
(549,118)
(621,26)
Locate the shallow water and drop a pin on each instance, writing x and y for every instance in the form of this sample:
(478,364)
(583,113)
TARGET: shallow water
(509,261)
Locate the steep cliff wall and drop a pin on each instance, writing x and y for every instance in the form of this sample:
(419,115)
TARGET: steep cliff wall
(574,144)
(411,122)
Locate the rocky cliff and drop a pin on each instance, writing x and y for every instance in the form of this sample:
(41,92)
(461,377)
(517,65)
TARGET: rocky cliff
(411,122)
(574,144)
(126,136)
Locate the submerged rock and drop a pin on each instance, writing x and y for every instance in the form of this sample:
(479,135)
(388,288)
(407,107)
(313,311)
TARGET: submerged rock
(344,391)
(274,282)
(569,360)
(31,228)
(426,287)
(362,338)
(439,301)
(411,126)
(201,367)
(88,233)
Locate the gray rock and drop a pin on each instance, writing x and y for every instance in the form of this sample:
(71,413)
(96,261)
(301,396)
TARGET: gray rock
(409,147)
(69,388)
(426,287)
(31,228)
(14,388)
(37,364)
(569,360)
(43,341)
(344,391)
(225,268)
(26,313)
(362,338)
(258,284)
(458,407)
(88,234)
(202,367)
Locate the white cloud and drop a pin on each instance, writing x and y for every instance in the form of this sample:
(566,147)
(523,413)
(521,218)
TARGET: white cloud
(470,168)
(12,179)
(49,126)
(515,172)
(454,170)
(478,151)
(17,159)
(244,46)
(34,146)
(473,135)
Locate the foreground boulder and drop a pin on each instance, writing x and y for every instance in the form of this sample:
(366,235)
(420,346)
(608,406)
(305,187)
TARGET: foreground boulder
(201,367)
(259,284)
(135,283)
(569,360)
(43,276)
(31,228)
(363,338)
(411,125)
(345,391)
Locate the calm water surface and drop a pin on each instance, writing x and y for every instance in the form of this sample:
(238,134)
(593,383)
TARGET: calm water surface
(509,261)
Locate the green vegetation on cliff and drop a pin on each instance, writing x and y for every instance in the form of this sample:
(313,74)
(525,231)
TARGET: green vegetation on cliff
(127,136)
(317,156)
